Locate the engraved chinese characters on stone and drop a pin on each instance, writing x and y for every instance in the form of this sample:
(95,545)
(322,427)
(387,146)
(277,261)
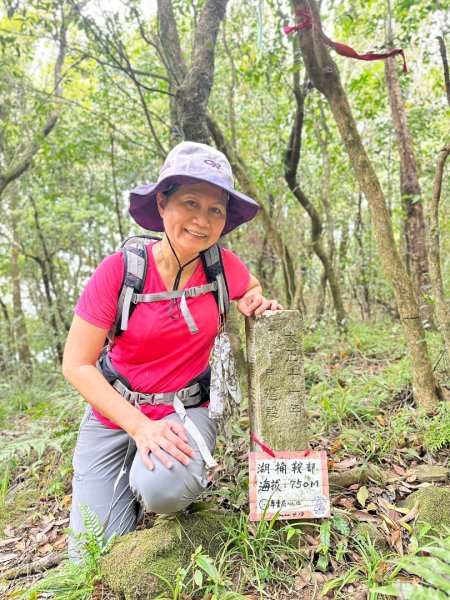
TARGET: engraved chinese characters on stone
(276,380)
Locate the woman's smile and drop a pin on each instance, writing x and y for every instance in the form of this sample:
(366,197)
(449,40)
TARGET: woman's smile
(195,234)
(194,216)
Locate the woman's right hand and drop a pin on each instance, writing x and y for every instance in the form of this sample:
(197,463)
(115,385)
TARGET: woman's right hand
(162,438)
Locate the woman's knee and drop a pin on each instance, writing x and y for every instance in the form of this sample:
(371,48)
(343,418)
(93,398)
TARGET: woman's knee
(165,491)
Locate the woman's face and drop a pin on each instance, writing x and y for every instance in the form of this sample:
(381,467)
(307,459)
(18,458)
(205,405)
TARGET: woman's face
(194,216)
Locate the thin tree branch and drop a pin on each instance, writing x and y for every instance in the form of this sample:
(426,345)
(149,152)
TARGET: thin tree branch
(440,303)
(15,170)
(443,51)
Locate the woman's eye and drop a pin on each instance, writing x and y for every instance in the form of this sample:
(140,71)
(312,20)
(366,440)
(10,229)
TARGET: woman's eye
(191,203)
(216,210)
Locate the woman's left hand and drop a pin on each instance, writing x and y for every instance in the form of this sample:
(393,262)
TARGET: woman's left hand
(256,304)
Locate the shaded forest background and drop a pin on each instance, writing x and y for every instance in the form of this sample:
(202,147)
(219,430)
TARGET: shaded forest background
(87,112)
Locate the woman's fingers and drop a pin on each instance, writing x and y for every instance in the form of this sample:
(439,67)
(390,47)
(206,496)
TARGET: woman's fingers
(166,440)
(257,304)
(145,455)
(179,430)
(182,454)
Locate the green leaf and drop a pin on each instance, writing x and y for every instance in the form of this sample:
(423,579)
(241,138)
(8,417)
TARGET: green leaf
(419,592)
(198,578)
(202,506)
(177,527)
(362,495)
(325,528)
(429,569)
(204,563)
(434,564)
(331,584)
(341,525)
(387,590)
(291,531)
(322,563)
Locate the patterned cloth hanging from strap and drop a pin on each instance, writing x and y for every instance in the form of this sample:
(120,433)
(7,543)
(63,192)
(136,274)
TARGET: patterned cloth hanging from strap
(225,393)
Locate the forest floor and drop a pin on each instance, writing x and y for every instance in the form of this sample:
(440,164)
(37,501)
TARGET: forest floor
(361,412)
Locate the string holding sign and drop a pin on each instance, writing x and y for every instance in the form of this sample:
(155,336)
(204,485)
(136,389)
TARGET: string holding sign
(307,22)
(265,448)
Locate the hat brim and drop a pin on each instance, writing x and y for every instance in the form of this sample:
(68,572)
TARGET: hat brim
(144,209)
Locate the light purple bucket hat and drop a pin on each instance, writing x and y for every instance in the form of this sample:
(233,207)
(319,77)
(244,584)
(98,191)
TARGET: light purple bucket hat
(191,162)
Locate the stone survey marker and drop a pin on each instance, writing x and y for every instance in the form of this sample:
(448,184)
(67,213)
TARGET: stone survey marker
(288,479)
(277,380)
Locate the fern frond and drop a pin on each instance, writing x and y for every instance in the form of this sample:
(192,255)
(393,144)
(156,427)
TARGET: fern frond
(21,446)
(110,542)
(93,526)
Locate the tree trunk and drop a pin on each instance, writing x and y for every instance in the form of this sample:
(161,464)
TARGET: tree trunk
(193,85)
(48,280)
(443,52)
(325,76)
(115,187)
(241,172)
(23,160)
(6,352)
(22,347)
(411,195)
(441,307)
(322,136)
(291,162)
(364,277)
(193,89)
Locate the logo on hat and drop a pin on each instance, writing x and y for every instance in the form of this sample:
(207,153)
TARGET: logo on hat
(211,163)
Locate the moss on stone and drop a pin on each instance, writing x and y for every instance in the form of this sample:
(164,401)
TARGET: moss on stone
(434,507)
(135,561)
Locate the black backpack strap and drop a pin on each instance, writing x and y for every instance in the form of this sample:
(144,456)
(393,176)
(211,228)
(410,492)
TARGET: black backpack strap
(213,267)
(135,259)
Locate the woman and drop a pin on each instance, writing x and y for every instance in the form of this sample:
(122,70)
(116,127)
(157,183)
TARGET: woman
(130,455)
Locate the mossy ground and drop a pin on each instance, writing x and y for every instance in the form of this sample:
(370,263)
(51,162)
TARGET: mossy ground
(15,511)
(140,561)
(433,508)
(361,412)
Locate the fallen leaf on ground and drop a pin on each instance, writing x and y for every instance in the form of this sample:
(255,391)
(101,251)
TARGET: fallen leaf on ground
(388,506)
(60,542)
(362,515)
(66,501)
(362,495)
(412,514)
(345,464)
(398,469)
(337,445)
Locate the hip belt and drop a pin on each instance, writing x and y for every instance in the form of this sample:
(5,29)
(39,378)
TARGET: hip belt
(188,397)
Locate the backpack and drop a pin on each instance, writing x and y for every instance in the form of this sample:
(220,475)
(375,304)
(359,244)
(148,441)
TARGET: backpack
(134,250)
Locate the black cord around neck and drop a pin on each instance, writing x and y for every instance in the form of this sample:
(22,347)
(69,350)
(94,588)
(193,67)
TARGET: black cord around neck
(176,283)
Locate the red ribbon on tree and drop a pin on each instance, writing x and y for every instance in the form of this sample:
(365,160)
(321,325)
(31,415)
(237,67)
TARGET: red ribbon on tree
(342,49)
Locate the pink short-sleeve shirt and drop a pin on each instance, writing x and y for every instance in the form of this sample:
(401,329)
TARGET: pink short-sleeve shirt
(157,353)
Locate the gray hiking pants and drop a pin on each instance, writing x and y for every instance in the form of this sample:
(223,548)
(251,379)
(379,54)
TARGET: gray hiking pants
(98,459)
